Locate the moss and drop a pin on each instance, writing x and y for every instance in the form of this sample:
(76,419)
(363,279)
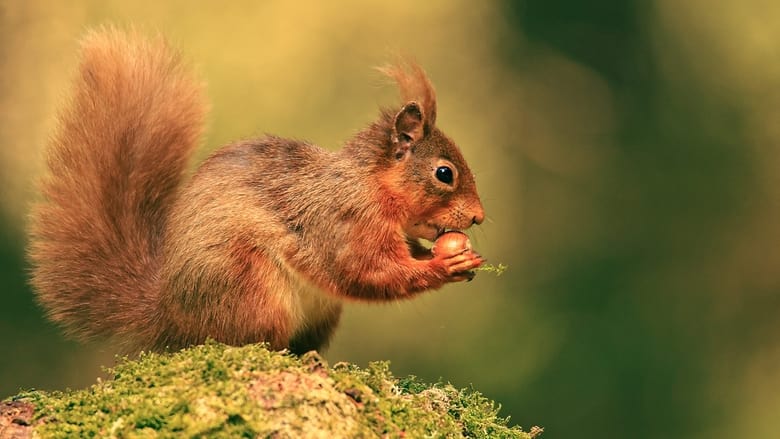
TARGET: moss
(220,391)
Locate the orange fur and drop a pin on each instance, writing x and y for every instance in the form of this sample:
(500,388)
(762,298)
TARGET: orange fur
(115,162)
(413,85)
(267,238)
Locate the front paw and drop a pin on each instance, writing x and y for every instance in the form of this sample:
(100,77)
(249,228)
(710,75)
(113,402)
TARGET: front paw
(457,267)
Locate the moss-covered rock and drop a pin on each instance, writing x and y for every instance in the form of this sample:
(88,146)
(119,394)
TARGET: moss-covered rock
(221,391)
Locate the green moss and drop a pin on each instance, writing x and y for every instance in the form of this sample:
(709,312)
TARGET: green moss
(220,391)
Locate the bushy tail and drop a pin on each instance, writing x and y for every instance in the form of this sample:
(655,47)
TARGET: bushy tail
(114,164)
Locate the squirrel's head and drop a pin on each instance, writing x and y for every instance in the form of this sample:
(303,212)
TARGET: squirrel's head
(424,166)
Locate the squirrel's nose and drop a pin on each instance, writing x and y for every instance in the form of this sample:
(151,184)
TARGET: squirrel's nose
(479,216)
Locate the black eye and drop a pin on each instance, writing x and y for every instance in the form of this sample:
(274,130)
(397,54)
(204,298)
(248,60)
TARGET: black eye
(444,174)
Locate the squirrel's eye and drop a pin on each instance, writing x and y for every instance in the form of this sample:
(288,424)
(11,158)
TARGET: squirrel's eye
(444,174)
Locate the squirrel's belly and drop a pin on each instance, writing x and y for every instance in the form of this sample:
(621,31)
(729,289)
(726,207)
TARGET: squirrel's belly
(309,303)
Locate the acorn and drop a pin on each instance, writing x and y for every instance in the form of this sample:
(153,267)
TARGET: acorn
(451,243)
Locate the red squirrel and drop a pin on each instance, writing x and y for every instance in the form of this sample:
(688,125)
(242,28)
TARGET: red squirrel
(264,242)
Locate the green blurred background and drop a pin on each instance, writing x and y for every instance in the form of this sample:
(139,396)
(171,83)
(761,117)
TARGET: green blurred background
(626,153)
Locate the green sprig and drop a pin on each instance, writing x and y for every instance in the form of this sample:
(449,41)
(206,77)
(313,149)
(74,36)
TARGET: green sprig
(497,269)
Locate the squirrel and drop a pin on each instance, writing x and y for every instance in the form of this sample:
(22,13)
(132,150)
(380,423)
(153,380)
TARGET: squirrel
(268,237)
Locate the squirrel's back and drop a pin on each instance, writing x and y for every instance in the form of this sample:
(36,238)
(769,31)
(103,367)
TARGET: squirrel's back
(115,163)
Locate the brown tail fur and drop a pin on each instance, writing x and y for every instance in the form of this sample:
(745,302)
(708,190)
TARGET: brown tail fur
(115,162)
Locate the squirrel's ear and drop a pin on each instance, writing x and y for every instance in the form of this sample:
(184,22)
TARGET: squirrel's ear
(407,128)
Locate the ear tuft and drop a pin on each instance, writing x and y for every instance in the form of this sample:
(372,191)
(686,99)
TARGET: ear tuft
(415,87)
